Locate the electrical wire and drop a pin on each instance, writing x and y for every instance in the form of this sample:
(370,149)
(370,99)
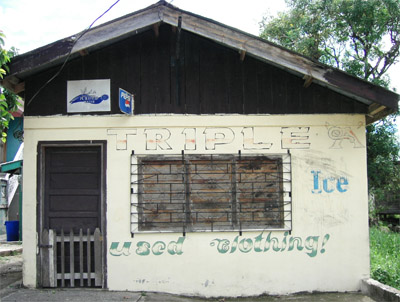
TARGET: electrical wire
(69,54)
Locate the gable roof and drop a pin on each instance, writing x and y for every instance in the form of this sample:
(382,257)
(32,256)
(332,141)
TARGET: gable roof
(381,101)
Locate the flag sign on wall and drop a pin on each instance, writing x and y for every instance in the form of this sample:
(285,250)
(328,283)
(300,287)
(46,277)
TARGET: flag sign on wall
(126,102)
(88,96)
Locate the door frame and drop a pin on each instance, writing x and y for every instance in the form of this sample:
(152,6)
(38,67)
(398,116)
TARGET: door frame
(41,148)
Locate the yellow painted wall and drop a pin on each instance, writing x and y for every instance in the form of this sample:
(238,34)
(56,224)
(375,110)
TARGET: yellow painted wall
(330,220)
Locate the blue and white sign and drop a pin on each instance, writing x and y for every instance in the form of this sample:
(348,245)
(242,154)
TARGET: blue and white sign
(126,101)
(88,96)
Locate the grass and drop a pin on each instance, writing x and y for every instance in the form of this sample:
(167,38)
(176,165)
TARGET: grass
(385,256)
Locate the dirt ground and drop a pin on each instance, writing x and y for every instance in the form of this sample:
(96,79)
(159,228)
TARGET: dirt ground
(10,270)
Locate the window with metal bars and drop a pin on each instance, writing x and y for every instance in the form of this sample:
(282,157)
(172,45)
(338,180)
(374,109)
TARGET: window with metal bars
(192,193)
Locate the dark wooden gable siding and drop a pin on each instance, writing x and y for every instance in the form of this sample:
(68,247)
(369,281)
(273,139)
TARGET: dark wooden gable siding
(207,78)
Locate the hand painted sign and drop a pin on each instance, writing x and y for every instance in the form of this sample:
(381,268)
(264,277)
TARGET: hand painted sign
(88,96)
(312,245)
(264,243)
(125,101)
(215,138)
(145,248)
(328,184)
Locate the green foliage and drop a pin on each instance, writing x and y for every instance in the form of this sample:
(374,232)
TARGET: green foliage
(8,100)
(304,28)
(383,150)
(360,37)
(4,57)
(385,256)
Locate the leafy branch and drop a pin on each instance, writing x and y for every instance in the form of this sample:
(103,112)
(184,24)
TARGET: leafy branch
(9,101)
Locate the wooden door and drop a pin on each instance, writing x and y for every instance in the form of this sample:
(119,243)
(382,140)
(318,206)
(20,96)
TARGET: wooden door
(72,204)
(72,190)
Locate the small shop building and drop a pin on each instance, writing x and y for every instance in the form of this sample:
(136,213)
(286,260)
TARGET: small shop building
(167,152)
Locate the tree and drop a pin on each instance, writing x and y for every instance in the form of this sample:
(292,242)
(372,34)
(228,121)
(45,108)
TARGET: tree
(360,37)
(8,100)
(383,149)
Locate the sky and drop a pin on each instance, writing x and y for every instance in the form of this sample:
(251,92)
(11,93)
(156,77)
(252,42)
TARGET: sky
(30,24)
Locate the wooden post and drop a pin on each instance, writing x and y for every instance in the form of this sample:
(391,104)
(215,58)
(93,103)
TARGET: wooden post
(89,260)
(81,256)
(71,258)
(98,258)
(45,259)
(53,258)
(62,259)
(242,54)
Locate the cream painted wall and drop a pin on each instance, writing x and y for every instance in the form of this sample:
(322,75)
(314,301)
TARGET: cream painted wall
(331,220)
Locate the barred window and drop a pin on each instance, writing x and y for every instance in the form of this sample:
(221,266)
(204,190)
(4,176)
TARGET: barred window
(210,193)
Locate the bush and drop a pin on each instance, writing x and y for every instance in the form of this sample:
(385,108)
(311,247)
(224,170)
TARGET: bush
(385,256)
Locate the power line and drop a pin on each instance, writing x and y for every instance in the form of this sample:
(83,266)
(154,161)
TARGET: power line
(69,54)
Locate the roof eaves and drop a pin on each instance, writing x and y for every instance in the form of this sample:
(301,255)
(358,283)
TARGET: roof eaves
(324,75)
(244,43)
(119,29)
